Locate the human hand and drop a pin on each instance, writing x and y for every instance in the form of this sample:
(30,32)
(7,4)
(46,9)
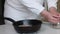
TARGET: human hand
(49,17)
(53,11)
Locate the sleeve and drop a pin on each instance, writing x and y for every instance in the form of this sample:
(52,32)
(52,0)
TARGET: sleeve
(52,3)
(33,6)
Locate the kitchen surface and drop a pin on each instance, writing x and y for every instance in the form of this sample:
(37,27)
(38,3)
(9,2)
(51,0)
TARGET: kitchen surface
(45,29)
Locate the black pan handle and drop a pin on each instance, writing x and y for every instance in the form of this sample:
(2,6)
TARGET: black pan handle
(10,19)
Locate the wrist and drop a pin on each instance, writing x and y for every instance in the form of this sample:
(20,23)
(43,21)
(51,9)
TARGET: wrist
(45,13)
(53,10)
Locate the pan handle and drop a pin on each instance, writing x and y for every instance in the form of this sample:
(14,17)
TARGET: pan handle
(10,19)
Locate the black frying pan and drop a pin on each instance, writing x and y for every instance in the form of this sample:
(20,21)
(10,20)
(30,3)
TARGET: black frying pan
(31,26)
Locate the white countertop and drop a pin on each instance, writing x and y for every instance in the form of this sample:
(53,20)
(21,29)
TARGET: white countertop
(45,29)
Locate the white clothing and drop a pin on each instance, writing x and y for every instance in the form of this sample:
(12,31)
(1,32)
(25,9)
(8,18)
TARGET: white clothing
(26,9)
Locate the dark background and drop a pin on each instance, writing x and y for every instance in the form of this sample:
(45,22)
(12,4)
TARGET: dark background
(58,6)
(1,12)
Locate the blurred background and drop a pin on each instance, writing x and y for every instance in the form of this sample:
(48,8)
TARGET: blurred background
(1,12)
(58,5)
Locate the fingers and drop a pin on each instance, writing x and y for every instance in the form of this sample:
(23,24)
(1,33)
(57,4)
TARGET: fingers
(53,20)
(56,16)
(59,17)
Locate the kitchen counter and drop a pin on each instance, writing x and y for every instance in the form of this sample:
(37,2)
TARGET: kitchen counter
(45,29)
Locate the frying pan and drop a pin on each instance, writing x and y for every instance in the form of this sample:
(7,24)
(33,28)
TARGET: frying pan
(26,26)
